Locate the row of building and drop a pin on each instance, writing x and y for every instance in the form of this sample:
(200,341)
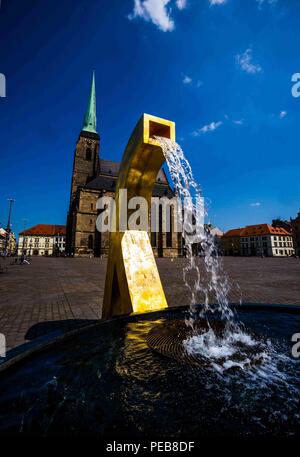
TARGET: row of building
(281,239)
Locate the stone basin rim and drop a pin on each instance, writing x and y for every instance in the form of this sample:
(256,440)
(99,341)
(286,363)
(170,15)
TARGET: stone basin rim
(21,353)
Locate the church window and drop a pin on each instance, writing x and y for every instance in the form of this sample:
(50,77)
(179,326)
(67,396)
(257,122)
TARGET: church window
(88,154)
(153,239)
(169,233)
(90,242)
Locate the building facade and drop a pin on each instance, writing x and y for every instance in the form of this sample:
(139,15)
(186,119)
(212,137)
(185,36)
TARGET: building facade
(93,178)
(295,224)
(258,240)
(2,241)
(43,240)
(8,242)
(231,242)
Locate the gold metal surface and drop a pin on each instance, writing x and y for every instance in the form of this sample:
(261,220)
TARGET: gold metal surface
(132,280)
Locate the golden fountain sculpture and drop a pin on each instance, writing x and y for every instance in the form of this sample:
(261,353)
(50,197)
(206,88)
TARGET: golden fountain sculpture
(132,282)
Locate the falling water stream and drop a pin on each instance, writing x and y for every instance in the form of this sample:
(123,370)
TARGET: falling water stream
(208,284)
(189,193)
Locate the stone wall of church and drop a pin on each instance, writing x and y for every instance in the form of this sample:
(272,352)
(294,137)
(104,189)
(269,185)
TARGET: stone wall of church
(85,231)
(86,161)
(89,242)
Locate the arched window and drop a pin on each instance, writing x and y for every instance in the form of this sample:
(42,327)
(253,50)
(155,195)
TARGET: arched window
(153,239)
(91,242)
(169,233)
(88,154)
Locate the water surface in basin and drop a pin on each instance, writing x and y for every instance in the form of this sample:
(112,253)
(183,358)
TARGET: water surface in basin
(107,381)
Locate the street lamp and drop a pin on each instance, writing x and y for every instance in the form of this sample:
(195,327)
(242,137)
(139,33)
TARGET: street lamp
(24,228)
(8,229)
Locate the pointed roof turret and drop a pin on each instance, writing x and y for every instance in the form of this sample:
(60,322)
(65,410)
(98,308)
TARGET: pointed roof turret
(90,118)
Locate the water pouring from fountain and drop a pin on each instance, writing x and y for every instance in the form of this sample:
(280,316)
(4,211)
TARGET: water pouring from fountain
(204,339)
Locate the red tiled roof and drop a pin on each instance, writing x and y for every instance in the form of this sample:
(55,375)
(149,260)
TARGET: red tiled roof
(257,230)
(264,229)
(233,232)
(45,229)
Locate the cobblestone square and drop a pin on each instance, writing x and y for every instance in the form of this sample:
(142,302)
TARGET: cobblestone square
(62,293)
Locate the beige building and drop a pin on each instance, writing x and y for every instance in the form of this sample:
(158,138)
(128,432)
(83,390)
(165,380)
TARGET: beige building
(266,240)
(258,240)
(43,240)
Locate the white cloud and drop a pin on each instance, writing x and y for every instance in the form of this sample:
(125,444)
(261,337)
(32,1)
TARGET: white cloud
(266,2)
(234,121)
(217,2)
(244,61)
(255,204)
(157,11)
(187,79)
(207,128)
(181,4)
(282,114)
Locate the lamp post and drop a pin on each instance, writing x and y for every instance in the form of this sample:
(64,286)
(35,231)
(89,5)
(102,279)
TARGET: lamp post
(24,228)
(8,229)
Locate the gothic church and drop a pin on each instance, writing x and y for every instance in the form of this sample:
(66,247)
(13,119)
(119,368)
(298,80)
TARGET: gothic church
(94,177)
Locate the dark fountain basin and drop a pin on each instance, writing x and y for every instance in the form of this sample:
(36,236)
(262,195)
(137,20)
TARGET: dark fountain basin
(105,380)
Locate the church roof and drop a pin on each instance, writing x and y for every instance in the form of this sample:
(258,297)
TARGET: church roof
(90,118)
(103,182)
(112,168)
(108,183)
(109,167)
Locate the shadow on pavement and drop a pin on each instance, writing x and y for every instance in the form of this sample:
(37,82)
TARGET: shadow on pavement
(44,328)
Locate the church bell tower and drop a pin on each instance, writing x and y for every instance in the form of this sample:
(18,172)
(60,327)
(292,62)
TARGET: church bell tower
(86,160)
(86,156)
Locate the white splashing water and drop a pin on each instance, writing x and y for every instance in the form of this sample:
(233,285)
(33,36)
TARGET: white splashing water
(209,287)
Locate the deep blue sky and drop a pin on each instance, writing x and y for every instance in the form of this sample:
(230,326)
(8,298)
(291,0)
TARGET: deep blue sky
(215,64)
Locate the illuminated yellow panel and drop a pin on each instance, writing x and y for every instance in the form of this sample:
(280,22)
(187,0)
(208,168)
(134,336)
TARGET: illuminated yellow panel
(144,283)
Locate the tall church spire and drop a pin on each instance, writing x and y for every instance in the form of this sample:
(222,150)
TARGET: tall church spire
(90,118)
